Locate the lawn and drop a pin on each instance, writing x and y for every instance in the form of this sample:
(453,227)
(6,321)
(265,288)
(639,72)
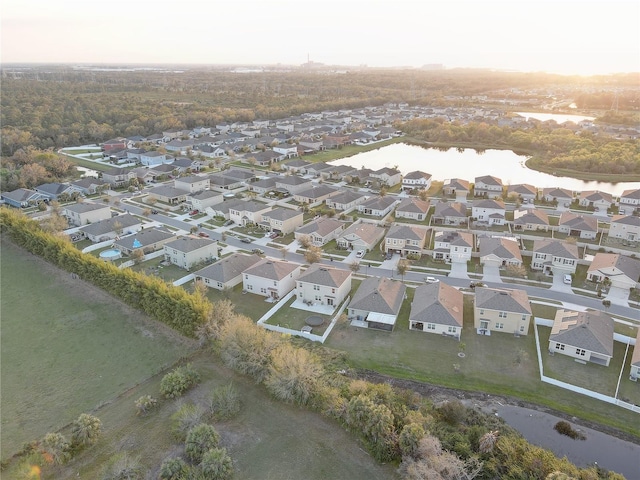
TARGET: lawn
(294,318)
(66,347)
(498,364)
(268,440)
(168,273)
(253,306)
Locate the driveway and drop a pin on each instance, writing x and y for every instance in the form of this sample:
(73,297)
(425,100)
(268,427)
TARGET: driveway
(491,274)
(558,283)
(459,270)
(618,296)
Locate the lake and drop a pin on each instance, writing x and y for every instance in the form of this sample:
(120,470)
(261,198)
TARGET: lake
(467,164)
(558,117)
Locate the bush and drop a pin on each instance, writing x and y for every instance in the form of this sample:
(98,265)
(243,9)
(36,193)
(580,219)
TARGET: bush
(224,402)
(185,418)
(200,439)
(453,412)
(55,448)
(86,430)
(216,464)
(173,469)
(123,467)
(145,403)
(565,428)
(178,381)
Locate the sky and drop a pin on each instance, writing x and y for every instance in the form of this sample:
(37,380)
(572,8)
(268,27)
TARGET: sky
(562,36)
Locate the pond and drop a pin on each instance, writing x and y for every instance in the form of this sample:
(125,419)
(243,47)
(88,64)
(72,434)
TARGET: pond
(467,164)
(558,117)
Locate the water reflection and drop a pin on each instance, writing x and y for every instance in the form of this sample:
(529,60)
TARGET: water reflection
(466,163)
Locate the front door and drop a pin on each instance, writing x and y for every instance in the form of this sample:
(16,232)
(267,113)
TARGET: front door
(330,302)
(484,327)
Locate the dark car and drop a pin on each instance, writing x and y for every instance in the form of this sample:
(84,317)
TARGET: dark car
(257,251)
(227,223)
(473,285)
(154,212)
(245,240)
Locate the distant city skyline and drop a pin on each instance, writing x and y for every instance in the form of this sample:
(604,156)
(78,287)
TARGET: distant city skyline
(561,36)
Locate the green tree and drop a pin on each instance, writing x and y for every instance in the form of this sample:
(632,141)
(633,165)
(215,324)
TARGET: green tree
(145,404)
(174,469)
(55,448)
(185,418)
(293,375)
(200,439)
(122,466)
(86,430)
(224,402)
(216,464)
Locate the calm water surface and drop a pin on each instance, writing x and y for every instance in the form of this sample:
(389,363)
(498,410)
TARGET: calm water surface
(558,117)
(467,164)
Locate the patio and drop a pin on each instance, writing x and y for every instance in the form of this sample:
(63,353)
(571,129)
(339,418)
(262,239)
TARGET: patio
(315,308)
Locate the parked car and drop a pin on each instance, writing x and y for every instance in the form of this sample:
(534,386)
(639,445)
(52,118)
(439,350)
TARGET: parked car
(203,234)
(194,212)
(360,253)
(154,212)
(258,251)
(274,235)
(431,280)
(567,279)
(245,240)
(473,285)
(227,223)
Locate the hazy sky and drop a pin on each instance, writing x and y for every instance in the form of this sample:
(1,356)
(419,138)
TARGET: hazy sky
(565,36)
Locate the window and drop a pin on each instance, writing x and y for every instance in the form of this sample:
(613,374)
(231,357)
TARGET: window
(502,315)
(275,284)
(452,330)
(316,287)
(559,346)
(581,352)
(521,328)
(482,311)
(333,290)
(524,318)
(263,290)
(431,326)
(249,287)
(499,326)
(318,298)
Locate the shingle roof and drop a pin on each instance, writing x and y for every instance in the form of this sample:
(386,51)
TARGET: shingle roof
(407,232)
(579,222)
(453,209)
(322,226)
(489,180)
(503,300)
(501,247)
(380,295)
(417,175)
(144,237)
(367,232)
(189,244)
(489,203)
(110,224)
(556,248)
(378,203)
(271,269)
(437,303)
(632,220)
(627,265)
(590,330)
(281,213)
(229,267)
(85,207)
(319,274)
(413,205)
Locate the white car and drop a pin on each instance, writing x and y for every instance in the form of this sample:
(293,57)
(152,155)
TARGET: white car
(360,253)
(567,279)
(431,280)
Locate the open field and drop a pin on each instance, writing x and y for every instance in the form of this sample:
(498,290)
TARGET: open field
(267,440)
(498,364)
(67,347)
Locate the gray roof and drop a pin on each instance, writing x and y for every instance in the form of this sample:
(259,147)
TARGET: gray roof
(189,244)
(579,222)
(265,183)
(271,269)
(632,220)
(281,213)
(109,225)
(378,203)
(204,194)
(501,247)
(557,192)
(319,274)
(317,191)
(503,300)
(292,180)
(407,232)
(417,175)
(533,216)
(523,189)
(250,206)
(437,303)
(632,193)
(322,226)
(145,237)
(346,196)
(191,179)
(556,248)
(21,194)
(52,188)
(228,268)
(591,330)
(167,191)
(368,232)
(413,205)
(458,184)
(489,180)
(239,174)
(380,295)
(453,209)
(84,207)
(489,203)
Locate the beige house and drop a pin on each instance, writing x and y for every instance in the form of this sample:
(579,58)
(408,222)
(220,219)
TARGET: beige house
(562,196)
(585,336)
(192,184)
(621,270)
(226,273)
(203,200)
(522,191)
(499,252)
(321,230)
(346,200)
(487,186)
(413,209)
(405,239)
(377,206)
(457,187)
(377,302)
(315,195)
(168,194)
(600,201)
(248,212)
(282,220)
(84,213)
(578,225)
(185,252)
(322,285)
(625,227)
(437,308)
(271,278)
(531,219)
(488,212)
(446,213)
(554,256)
(501,310)
(111,228)
(360,236)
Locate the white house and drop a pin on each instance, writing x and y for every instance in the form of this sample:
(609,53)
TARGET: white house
(416,180)
(630,200)
(248,212)
(271,278)
(323,285)
(554,256)
(185,252)
(377,206)
(489,212)
(487,186)
(437,308)
(192,183)
(154,158)
(586,336)
(625,227)
(413,208)
(621,270)
(86,212)
(499,252)
(453,246)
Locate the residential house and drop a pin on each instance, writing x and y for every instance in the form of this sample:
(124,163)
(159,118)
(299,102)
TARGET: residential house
(453,246)
(115,144)
(523,191)
(487,186)
(248,212)
(242,174)
(84,213)
(187,252)
(226,273)
(263,159)
(322,285)
(554,256)
(346,200)
(154,158)
(501,310)
(437,308)
(586,336)
(23,198)
(220,181)
(450,213)
(599,201)
(630,200)
(625,227)
(405,240)
(488,212)
(362,176)
(360,236)
(416,180)
(413,209)
(286,149)
(376,303)
(377,206)
(387,176)
(147,240)
(296,166)
(561,196)
(458,188)
(55,190)
(578,225)
(292,184)
(315,195)
(622,270)
(117,177)
(203,200)
(192,184)
(499,252)
(635,360)
(530,219)
(168,194)
(321,230)
(263,186)
(89,185)
(271,278)
(111,228)
(282,220)
(317,168)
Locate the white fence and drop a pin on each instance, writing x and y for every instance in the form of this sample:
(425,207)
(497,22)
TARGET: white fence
(574,388)
(289,331)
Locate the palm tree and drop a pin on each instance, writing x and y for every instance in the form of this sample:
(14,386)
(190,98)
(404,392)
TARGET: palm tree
(488,441)
(86,430)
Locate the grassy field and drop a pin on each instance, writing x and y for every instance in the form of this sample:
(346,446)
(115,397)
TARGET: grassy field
(66,348)
(499,364)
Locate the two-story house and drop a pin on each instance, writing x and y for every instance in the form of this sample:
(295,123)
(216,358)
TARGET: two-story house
(117,177)
(501,310)
(322,285)
(271,278)
(282,220)
(625,227)
(416,180)
(80,214)
(387,176)
(405,240)
(248,212)
(321,230)
(154,158)
(585,336)
(192,183)
(186,252)
(488,212)
(487,186)
(203,200)
(554,256)
(629,201)
(453,246)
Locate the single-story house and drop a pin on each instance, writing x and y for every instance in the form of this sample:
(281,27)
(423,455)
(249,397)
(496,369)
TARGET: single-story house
(360,236)
(501,310)
(561,196)
(523,191)
(377,206)
(600,201)
(55,190)
(271,278)
(321,230)
(315,195)
(622,270)
(413,209)
(630,199)
(226,273)
(89,185)
(23,197)
(450,213)
(346,200)
(635,360)
(530,219)
(168,194)
(377,303)
(111,228)
(457,187)
(323,285)
(148,240)
(585,336)
(499,252)
(437,308)
(578,225)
